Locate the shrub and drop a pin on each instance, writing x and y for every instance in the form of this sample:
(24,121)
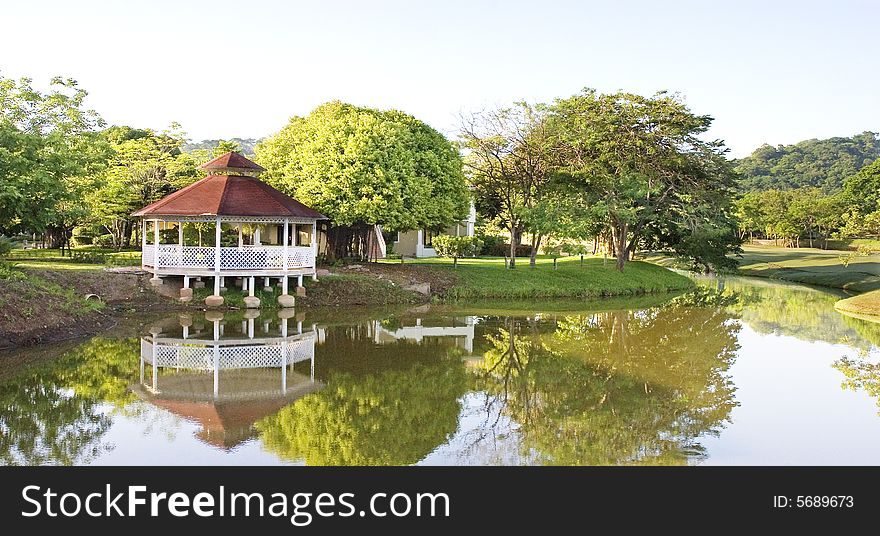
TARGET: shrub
(89,257)
(5,245)
(492,244)
(9,272)
(503,250)
(457,246)
(103,241)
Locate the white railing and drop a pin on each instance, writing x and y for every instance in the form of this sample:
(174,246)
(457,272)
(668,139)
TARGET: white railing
(231,258)
(200,355)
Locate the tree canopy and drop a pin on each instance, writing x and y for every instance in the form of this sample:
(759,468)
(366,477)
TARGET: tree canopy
(50,154)
(362,167)
(647,174)
(823,164)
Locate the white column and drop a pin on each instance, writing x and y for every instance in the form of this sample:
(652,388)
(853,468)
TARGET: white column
(250,327)
(284,284)
(156,262)
(240,238)
(299,280)
(155,369)
(143,240)
(266,282)
(251,286)
(284,327)
(286,239)
(216,370)
(283,367)
(217,225)
(216,330)
(186,281)
(142,369)
(314,250)
(186,332)
(180,233)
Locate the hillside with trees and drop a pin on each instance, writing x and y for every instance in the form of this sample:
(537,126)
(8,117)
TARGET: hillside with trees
(246,145)
(822,164)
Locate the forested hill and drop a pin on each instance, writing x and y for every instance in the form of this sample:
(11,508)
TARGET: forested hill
(820,163)
(246,144)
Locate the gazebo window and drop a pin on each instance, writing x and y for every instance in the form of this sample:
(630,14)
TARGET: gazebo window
(168,232)
(303,235)
(150,232)
(198,233)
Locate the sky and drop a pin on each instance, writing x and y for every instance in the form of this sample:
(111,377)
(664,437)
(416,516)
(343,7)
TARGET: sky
(768,72)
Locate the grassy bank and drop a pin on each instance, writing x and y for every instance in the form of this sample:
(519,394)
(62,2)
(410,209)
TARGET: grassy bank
(836,269)
(486,278)
(81,258)
(866,306)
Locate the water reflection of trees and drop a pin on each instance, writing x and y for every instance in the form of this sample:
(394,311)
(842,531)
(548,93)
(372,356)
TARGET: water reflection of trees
(616,387)
(54,411)
(798,311)
(382,404)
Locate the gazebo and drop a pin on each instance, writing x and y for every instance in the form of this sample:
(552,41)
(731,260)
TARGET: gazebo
(228,377)
(230,225)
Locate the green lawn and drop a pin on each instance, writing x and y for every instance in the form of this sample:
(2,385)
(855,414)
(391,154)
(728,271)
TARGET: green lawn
(81,258)
(813,266)
(486,278)
(865,306)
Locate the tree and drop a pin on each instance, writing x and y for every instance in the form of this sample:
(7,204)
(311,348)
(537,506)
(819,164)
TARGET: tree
(618,387)
(392,405)
(509,163)
(144,167)
(640,162)
(50,157)
(364,167)
(823,164)
(861,196)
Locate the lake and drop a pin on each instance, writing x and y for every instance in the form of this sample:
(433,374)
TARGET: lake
(738,371)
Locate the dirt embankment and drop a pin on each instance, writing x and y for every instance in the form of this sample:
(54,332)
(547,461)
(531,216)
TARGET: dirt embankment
(57,305)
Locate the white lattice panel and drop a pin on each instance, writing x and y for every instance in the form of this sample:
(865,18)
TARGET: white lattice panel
(201,357)
(300,256)
(149,255)
(256,356)
(302,350)
(231,258)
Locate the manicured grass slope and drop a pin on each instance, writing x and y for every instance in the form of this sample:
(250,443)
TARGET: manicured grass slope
(486,278)
(813,267)
(863,305)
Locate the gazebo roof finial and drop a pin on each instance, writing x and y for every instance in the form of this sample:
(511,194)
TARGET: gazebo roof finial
(232,163)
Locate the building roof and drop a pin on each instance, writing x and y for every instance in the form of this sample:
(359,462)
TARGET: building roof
(232,160)
(229,195)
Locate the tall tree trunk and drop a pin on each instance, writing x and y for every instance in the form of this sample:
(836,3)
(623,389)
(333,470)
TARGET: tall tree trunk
(536,243)
(513,235)
(620,245)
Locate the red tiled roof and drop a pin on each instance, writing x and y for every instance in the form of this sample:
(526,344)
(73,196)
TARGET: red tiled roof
(232,160)
(229,195)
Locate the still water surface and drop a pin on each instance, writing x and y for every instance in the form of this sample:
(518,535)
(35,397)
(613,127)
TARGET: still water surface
(739,371)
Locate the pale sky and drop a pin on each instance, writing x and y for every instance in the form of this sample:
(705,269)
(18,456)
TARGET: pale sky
(775,72)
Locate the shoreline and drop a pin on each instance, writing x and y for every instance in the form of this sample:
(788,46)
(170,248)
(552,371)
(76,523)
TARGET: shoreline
(355,286)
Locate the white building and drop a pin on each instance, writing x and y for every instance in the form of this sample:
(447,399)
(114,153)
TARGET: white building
(418,243)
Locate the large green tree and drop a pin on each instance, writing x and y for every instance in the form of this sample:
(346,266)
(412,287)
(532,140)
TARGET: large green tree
(363,167)
(144,166)
(509,162)
(50,156)
(642,164)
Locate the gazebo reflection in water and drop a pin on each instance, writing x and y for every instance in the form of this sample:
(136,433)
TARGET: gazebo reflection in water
(224,373)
